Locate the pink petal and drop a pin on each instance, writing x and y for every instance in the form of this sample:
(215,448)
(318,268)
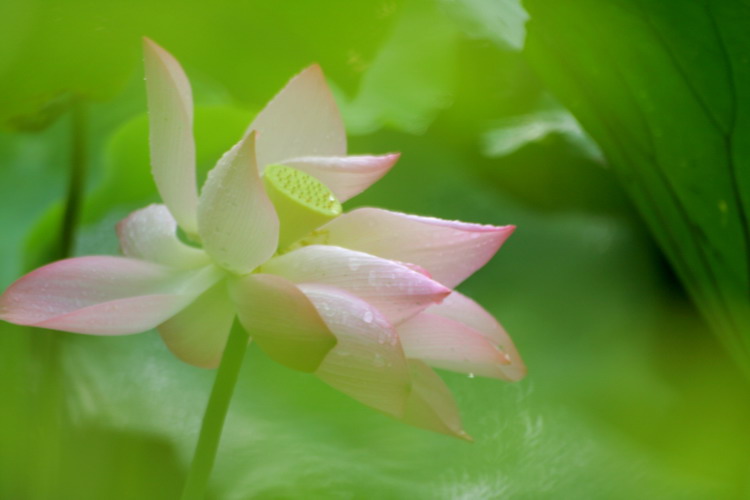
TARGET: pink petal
(445,343)
(431,404)
(301,120)
(450,251)
(346,176)
(236,220)
(151,234)
(463,321)
(367,362)
(282,321)
(101,295)
(391,287)
(197,334)
(170,105)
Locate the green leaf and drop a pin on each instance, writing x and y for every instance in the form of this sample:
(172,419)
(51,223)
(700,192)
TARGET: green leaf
(663,89)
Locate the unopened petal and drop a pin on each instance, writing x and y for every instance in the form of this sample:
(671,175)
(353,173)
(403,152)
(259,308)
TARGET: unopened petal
(236,220)
(151,234)
(467,316)
(396,290)
(431,405)
(101,295)
(367,362)
(345,176)
(170,106)
(282,321)
(301,120)
(450,251)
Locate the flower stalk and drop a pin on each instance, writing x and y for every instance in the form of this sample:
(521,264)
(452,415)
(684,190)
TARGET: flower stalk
(215,414)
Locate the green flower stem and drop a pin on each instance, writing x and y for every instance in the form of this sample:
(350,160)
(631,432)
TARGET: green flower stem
(76,180)
(216,412)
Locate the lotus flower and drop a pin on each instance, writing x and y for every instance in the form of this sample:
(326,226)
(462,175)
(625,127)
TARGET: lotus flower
(363,300)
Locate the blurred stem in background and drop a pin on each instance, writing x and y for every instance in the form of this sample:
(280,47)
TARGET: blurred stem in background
(215,414)
(50,416)
(76,178)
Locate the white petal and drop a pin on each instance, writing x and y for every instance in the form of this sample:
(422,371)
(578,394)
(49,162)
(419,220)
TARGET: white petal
(449,250)
(236,221)
(301,120)
(151,234)
(170,105)
(446,343)
(464,311)
(393,288)
(367,362)
(282,321)
(102,295)
(431,404)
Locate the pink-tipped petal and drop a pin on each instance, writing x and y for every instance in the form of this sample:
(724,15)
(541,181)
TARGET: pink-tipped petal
(345,176)
(450,251)
(301,120)
(151,234)
(431,405)
(282,321)
(446,343)
(170,106)
(393,288)
(468,316)
(198,334)
(367,362)
(236,219)
(101,295)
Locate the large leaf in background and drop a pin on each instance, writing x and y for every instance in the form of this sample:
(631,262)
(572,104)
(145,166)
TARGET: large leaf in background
(664,89)
(611,409)
(52,49)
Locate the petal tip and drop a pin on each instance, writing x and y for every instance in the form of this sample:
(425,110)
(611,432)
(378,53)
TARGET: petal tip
(441,291)
(389,160)
(151,48)
(519,373)
(313,69)
(462,434)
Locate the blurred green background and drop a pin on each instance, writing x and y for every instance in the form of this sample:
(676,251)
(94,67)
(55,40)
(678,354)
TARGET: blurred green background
(629,393)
